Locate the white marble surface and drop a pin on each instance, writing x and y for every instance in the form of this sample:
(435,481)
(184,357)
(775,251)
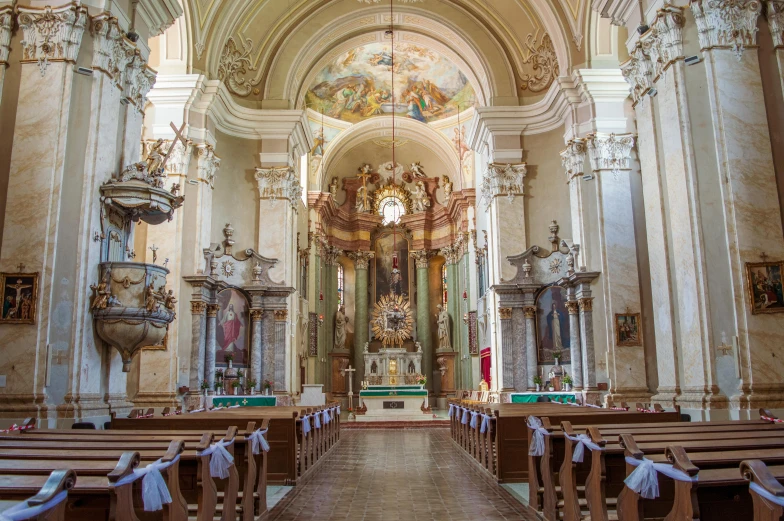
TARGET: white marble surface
(312,395)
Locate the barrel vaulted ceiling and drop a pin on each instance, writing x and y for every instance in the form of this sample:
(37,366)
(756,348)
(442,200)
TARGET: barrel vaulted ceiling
(272,53)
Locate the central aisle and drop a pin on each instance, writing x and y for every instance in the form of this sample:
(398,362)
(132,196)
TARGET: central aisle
(396,474)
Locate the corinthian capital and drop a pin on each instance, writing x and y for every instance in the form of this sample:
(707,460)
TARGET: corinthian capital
(330,255)
(279,182)
(422,258)
(610,151)
(208,164)
(6,24)
(775,15)
(451,254)
(638,73)
(51,34)
(664,41)
(573,158)
(139,79)
(361,258)
(112,52)
(503,179)
(727,23)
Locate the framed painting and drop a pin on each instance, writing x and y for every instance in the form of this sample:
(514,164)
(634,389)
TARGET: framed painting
(20,298)
(764,287)
(552,325)
(232,328)
(391,274)
(628,329)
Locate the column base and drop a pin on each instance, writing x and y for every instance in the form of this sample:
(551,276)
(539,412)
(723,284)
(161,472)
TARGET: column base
(667,396)
(15,408)
(770,396)
(630,395)
(704,404)
(156,400)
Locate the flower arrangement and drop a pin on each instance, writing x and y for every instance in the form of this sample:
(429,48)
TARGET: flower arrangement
(421,379)
(251,382)
(219,374)
(267,384)
(228,357)
(567,379)
(557,354)
(235,384)
(205,385)
(538,380)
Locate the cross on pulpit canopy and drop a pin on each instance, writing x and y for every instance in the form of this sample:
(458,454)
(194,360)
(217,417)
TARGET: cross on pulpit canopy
(178,136)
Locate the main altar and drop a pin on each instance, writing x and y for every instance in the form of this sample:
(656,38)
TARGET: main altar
(393,366)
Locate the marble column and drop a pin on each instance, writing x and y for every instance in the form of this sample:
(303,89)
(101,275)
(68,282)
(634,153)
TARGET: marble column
(521,368)
(330,254)
(586,340)
(256,316)
(507,349)
(268,346)
(453,308)
(424,319)
(638,72)
(198,345)
(574,342)
(209,347)
(6,25)
(610,156)
(279,358)
(573,160)
(727,35)
(361,320)
(529,311)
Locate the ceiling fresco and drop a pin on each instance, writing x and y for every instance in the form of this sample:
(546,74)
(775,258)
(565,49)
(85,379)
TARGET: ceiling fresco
(358,85)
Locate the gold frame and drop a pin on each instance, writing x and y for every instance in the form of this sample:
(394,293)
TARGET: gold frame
(750,289)
(628,343)
(392,190)
(3,277)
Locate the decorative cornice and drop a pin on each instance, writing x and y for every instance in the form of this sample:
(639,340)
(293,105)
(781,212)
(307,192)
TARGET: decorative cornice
(775,16)
(6,25)
(422,258)
(361,258)
(212,310)
(726,23)
(638,73)
(158,15)
(610,151)
(664,40)
(207,164)
(505,313)
(198,307)
(503,179)
(573,158)
(51,34)
(279,182)
(112,51)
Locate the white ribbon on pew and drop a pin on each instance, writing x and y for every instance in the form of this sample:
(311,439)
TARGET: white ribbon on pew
(464,419)
(305,425)
(259,442)
(217,408)
(154,490)
(233,406)
(220,459)
(583,440)
(451,409)
(196,410)
(777,500)
(537,440)
(22,510)
(325,417)
(474,414)
(317,419)
(338,410)
(644,480)
(485,423)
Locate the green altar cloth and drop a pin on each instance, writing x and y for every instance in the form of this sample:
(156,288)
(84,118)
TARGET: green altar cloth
(394,387)
(531,397)
(245,401)
(391,393)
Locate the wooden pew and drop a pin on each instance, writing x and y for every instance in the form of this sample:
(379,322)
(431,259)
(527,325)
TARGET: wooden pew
(50,499)
(766,482)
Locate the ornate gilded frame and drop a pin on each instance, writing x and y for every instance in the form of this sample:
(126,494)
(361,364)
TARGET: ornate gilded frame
(750,287)
(628,343)
(4,277)
(392,190)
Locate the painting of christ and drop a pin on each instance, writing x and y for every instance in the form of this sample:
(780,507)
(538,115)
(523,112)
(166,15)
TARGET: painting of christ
(20,298)
(552,321)
(391,266)
(231,334)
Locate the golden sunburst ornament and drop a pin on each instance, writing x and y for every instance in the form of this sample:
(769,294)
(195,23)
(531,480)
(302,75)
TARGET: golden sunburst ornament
(393,322)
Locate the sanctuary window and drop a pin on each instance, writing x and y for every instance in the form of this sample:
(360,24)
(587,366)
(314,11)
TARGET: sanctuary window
(444,296)
(391,209)
(340,285)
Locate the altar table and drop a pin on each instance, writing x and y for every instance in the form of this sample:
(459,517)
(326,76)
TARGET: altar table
(531,397)
(393,401)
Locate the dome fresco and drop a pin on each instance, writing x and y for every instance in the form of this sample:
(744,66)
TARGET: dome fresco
(358,84)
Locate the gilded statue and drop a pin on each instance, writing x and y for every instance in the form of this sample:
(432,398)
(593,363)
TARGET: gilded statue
(100,296)
(155,158)
(150,299)
(447,187)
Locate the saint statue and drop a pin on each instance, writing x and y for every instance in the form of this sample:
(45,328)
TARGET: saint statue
(361,200)
(155,157)
(333,187)
(231,328)
(447,187)
(444,343)
(420,197)
(417,170)
(554,320)
(340,328)
(100,296)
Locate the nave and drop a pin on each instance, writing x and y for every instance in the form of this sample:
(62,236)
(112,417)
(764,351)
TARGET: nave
(398,474)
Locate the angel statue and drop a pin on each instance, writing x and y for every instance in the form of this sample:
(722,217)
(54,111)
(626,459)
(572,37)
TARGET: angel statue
(417,170)
(419,197)
(155,157)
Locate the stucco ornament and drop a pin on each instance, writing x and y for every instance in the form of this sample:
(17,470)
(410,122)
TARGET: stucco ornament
(544,62)
(503,179)
(234,64)
(52,34)
(727,23)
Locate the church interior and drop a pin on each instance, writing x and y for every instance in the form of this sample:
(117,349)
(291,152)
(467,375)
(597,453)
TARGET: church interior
(441,239)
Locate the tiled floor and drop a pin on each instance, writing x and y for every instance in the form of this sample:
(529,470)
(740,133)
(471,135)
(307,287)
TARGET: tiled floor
(406,475)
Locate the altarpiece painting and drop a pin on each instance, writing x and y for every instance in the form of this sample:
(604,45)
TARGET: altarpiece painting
(552,325)
(231,335)
(392,266)
(20,297)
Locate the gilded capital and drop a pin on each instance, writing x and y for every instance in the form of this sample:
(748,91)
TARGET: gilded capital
(280,182)
(503,179)
(422,258)
(112,52)
(775,15)
(281,314)
(529,311)
(361,258)
(207,164)
(586,304)
(198,307)
(505,313)
(573,307)
(610,151)
(212,310)
(256,314)
(638,73)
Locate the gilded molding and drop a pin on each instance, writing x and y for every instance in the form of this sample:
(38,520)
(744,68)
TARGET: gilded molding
(573,307)
(281,315)
(573,158)
(775,16)
(610,151)
(586,304)
(198,307)
(279,182)
(212,310)
(361,258)
(505,313)
(422,258)
(503,179)
(256,315)
(638,73)
(529,311)
(727,23)
(207,163)
(6,25)
(51,34)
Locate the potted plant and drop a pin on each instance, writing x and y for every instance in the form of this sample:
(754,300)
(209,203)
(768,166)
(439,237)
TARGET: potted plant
(251,383)
(550,386)
(567,381)
(234,386)
(205,386)
(218,387)
(267,387)
(538,382)
(557,355)
(421,379)
(229,358)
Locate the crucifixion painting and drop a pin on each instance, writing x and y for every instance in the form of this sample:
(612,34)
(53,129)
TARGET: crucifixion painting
(20,298)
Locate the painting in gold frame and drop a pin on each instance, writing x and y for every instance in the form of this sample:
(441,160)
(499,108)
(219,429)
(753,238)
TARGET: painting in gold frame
(628,329)
(20,298)
(765,291)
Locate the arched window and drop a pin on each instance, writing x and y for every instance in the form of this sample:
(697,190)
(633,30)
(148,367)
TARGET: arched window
(391,209)
(444,295)
(340,285)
